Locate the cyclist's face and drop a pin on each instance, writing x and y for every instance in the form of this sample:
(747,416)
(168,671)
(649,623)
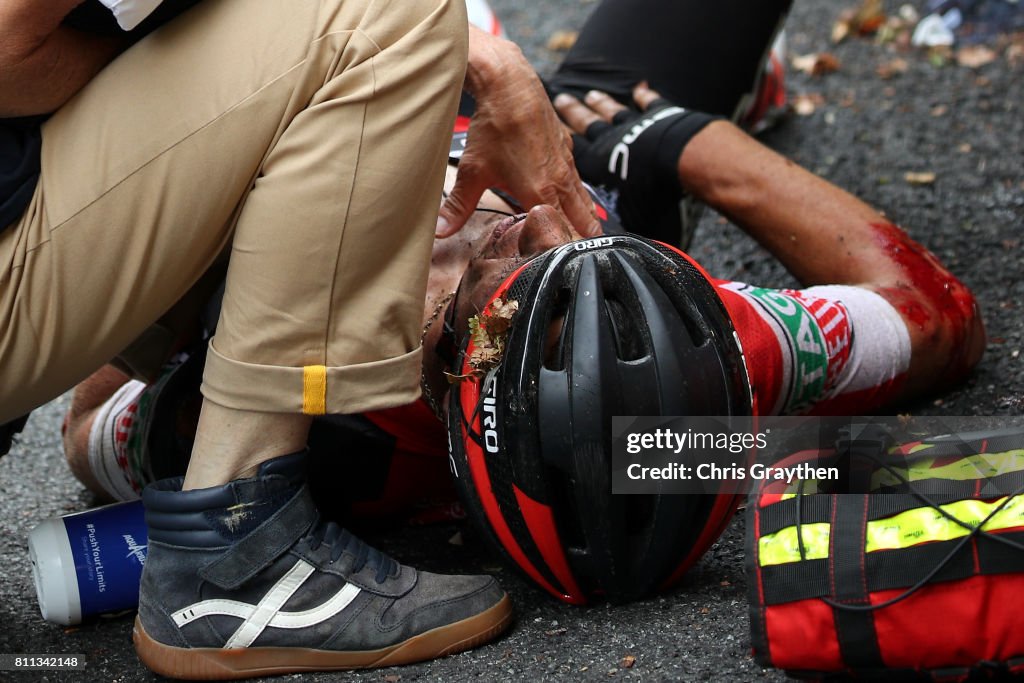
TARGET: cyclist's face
(476,260)
(513,241)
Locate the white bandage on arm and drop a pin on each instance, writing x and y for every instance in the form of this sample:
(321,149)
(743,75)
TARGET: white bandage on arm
(880,348)
(131,13)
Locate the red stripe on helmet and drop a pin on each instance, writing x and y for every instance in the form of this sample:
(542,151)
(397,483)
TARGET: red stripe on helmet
(470,400)
(482,486)
(541,524)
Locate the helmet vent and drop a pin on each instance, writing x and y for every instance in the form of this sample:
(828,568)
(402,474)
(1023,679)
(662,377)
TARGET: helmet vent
(630,342)
(555,345)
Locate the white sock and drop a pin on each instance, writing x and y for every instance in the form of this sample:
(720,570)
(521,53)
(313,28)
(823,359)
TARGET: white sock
(108,440)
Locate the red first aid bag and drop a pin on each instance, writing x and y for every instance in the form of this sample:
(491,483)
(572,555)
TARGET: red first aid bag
(922,578)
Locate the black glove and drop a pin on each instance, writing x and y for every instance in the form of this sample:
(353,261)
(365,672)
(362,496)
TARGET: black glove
(637,155)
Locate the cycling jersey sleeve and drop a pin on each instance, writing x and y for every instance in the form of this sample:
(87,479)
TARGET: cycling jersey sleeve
(832,349)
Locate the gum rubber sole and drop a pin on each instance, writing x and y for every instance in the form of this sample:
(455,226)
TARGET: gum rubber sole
(220,664)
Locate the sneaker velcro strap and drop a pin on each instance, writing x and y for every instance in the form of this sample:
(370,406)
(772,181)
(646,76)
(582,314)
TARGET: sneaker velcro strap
(247,557)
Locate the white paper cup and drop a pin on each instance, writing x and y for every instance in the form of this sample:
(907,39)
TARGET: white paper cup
(89,562)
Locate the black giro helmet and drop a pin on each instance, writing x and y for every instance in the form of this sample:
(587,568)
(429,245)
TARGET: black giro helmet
(615,325)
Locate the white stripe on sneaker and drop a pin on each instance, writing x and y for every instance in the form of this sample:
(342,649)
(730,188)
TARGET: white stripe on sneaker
(270,605)
(319,614)
(256,618)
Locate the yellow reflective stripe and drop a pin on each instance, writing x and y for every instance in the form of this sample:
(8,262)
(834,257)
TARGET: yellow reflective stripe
(925,524)
(965,468)
(905,530)
(782,547)
(314,389)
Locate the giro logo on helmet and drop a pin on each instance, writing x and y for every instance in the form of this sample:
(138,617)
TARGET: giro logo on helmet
(490,420)
(583,245)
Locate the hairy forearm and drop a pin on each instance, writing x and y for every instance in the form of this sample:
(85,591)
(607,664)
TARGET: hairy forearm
(814,228)
(824,235)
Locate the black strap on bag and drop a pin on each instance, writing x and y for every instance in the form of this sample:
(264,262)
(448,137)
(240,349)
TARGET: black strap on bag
(855,630)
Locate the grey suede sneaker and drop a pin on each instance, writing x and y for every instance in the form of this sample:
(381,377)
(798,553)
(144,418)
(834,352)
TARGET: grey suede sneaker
(246,580)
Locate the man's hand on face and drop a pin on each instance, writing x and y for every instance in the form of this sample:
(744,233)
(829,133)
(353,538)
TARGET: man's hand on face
(516,142)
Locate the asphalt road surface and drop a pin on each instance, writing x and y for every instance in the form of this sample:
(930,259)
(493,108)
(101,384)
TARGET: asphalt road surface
(963,124)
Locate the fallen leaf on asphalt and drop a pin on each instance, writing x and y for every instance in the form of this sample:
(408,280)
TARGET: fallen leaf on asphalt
(894,67)
(965,148)
(919,178)
(556,631)
(627,662)
(841,29)
(939,110)
(975,56)
(817,64)
(864,21)
(868,18)
(806,104)
(560,41)
(392,678)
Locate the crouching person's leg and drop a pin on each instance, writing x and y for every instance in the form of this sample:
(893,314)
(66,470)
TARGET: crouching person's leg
(321,314)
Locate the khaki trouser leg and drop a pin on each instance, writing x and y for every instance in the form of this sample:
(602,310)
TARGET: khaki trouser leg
(312,133)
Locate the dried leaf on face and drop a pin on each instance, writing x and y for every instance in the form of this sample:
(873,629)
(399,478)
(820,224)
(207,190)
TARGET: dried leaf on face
(488,332)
